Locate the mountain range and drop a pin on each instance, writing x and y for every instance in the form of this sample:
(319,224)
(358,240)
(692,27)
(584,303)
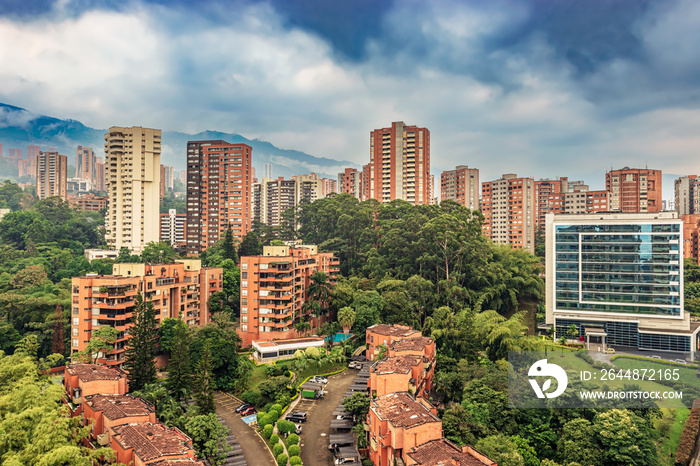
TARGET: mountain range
(20,128)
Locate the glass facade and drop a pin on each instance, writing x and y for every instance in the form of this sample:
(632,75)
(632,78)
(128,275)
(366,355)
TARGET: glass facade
(627,334)
(619,268)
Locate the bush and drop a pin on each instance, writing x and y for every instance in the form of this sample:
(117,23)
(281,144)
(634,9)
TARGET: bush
(278,449)
(251,397)
(585,356)
(287,373)
(282,399)
(266,420)
(295,461)
(277,407)
(294,450)
(273,414)
(275,439)
(282,460)
(367,462)
(268,407)
(260,415)
(286,427)
(689,437)
(267,431)
(293,439)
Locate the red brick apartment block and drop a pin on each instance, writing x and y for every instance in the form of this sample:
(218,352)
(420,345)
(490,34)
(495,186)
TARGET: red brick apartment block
(83,380)
(420,346)
(383,334)
(634,190)
(399,374)
(273,290)
(442,452)
(104,412)
(397,424)
(461,185)
(508,205)
(148,443)
(691,232)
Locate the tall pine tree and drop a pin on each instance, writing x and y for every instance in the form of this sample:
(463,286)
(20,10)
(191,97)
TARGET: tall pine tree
(204,382)
(142,346)
(230,247)
(179,377)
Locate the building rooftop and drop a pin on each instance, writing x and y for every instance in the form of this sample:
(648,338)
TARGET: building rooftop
(151,441)
(397,364)
(402,410)
(119,406)
(442,452)
(92,372)
(179,462)
(393,330)
(289,341)
(411,344)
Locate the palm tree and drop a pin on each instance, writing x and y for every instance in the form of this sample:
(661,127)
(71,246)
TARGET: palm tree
(302,327)
(346,319)
(311,309)
(319,290)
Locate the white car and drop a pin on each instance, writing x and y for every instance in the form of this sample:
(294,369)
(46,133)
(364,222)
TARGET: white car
(680,361)
(298,428)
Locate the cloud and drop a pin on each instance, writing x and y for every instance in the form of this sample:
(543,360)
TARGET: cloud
(543,89)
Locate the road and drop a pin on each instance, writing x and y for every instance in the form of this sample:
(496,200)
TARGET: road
(254,450)
(314,438)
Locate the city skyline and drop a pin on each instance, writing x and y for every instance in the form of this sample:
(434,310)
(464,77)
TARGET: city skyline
(543,89)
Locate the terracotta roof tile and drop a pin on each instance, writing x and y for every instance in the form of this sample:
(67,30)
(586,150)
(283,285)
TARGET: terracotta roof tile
(179,462)
(393,330)
(402,410)
(151,441)
(408,344)
(442,452)
(119,406)
(91,372)
(397,364)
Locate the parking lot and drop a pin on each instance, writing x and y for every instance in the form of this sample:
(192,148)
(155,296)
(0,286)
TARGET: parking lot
(314,438)
(253,449)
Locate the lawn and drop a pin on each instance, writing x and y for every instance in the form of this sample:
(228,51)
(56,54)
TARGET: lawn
(687,374)
(668,444)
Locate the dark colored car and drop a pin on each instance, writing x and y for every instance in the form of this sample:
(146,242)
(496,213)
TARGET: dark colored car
(243,407)
(297,416)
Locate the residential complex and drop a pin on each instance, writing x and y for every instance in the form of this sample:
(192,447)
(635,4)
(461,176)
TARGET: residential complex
(462,186)
(219,183)
(85,164)
(634,190)
(350,182)
(173,229)
(271,198)
(618,278)
(274,287)
(88,201)
(133,183)
(384,335)
(508,205)
(180,290)
(687,195)
(51,175)
(399,166)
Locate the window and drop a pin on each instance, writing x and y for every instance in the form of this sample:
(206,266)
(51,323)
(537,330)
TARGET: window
(75,342)
(76,321)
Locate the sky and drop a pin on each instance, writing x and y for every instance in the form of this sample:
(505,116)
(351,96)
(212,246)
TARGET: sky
(541,88)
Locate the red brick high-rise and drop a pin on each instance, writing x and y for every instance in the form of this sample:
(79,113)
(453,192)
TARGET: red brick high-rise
(461,185)
(219,183)
(634,190)
(508,208)
(350,182)
(51,175)
(400,164)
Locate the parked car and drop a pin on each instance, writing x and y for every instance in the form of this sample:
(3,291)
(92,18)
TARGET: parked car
(656,357)
(681,361)
(354,365)
(298,428)
(320,394)
(249,411)
(346,460)
(243,407)
(609,350)
(297,416)
(321,380)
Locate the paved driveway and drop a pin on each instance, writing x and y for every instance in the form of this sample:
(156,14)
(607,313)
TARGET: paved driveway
(314,438)
(254,450)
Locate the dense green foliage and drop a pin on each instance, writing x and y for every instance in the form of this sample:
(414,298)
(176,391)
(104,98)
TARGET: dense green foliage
(35,425)
(142,347)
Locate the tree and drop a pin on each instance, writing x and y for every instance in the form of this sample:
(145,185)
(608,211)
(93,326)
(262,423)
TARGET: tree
(229,247)
(179,378)
(357,405)
(125,257)
(101,341)
(577,443)
(501,449)
(208,438)
(572,331)
(167,330)
(251,245)
(319,289)
(142,347)
(158,252)
(624,439)
(203,383)
(29,277)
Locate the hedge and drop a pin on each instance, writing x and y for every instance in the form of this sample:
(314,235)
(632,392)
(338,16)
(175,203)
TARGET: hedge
(294,450)
(295,461)
(286,427)
(278,449)
(251,397)
(293,439)
(267,431)
(277,407)
(658,361)
(689,437)
(282,460)
(274,439)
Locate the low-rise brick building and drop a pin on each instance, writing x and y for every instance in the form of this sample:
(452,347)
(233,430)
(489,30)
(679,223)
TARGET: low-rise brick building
(105,412)
(383,334)
(147,443)
(83,380)
(408,373)
(398,423)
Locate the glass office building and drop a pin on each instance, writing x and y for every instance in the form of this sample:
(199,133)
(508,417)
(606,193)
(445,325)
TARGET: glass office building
(619,279)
